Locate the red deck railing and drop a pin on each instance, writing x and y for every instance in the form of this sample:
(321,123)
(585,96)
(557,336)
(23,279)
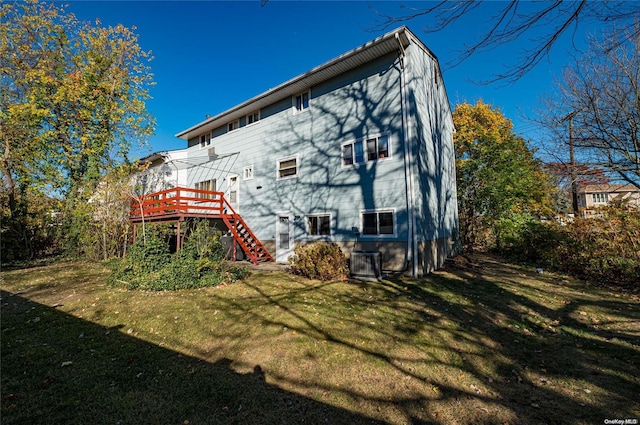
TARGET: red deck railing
(178,201)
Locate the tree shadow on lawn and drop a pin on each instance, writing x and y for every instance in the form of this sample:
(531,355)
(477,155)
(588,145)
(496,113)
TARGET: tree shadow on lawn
(519,353)
(552,364)
(57,368)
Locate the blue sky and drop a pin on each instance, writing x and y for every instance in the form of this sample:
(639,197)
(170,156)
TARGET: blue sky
(212,55)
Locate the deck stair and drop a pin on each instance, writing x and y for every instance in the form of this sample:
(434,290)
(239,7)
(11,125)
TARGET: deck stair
(178,204)
(256,252)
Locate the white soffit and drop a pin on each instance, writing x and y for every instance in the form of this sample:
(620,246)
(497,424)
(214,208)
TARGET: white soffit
(343,63)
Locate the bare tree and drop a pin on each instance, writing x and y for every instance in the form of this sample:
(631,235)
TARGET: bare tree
(601,91)
(542,22)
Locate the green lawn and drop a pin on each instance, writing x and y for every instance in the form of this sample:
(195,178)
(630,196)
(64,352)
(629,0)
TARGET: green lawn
(490,343)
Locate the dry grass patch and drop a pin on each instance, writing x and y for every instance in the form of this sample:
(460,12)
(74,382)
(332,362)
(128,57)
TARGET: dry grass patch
(488,344)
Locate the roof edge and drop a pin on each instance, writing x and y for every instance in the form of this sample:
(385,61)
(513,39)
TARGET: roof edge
(315,70)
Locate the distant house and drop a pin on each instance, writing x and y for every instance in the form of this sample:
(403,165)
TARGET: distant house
(592,197)
(161,170)
(358,151)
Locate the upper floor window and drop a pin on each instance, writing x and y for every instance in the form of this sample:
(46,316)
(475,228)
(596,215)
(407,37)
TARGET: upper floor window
(363,150)
(301,102)
(288,168)
(233,125)
(205,140)
(253,118)
(319,224)
(378,223)
(600,197)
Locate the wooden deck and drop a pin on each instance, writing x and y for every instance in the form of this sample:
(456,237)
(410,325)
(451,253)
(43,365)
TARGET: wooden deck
(180,203)
(171,204)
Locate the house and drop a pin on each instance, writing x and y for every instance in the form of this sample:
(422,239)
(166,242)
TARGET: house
(594,196)
(161,170)
(358,150)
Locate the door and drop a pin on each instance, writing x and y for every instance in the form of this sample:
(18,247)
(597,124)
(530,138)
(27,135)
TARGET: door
(233,191)
(284,237)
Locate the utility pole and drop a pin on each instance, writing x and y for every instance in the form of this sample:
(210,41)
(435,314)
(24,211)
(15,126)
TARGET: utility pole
(572,163)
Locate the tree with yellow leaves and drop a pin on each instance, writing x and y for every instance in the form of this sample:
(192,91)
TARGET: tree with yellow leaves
(72,103)
(499,181)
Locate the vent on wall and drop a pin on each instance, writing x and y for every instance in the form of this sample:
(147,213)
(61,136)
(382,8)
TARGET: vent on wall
(366,264)
(212,153)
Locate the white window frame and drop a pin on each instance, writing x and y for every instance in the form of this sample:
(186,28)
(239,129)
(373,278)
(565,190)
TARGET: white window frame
(285,159)
(600,198)
(318,215)
(233,126)
(256,113)
(247,173)
(205,140)
(363,141)
(206,185)
(394,219)
(295,102)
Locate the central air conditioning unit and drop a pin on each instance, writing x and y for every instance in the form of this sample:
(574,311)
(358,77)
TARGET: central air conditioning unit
(366,264)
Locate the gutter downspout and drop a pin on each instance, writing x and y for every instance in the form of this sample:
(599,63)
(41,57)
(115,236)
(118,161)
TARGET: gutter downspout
(411,239)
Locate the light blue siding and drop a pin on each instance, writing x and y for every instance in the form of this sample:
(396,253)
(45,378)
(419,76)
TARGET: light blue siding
(365,102)
(431,131)
(360,103)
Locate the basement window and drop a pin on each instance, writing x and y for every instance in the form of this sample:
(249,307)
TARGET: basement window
(378,223)
(319,224)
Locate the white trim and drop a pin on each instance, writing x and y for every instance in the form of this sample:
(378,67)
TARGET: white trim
(288,158)
(363,140)
(207,144)
(236,204)
(244,172)
(352,59)
(319,237)
(246,118)
(231,123)
(378,235)
(294,105)
(412,237)
(288,252)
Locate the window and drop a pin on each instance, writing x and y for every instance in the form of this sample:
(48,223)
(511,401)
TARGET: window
(208,185)
(378,223)
(233,125)
(600,197)
(287,168)
(363,150)
(253,118)
(301,102)
(248,172)
(319,225)
(205,140)
(233,190)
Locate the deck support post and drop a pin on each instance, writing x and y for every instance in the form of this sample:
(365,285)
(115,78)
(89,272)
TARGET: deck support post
(235,253)
(135,232)
(178,237)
